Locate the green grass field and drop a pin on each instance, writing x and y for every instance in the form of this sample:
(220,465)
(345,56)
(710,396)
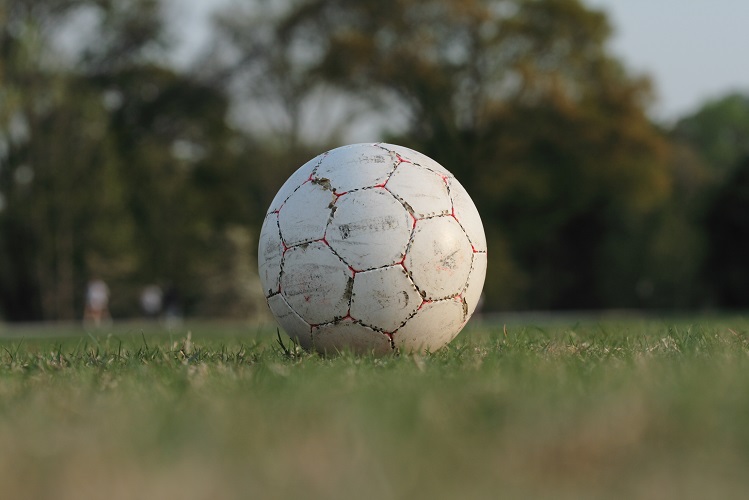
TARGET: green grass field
(603,408)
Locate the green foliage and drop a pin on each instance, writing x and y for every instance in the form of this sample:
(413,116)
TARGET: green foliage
(521,101)
(116,167)
(58,172)
(717,135)
(115,164)
(727,226)
(173,145)
(719,132)
(557,409)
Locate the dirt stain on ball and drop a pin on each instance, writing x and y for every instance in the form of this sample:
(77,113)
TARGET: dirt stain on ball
(373,225)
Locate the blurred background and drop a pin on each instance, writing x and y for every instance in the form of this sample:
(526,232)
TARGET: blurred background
(141,142)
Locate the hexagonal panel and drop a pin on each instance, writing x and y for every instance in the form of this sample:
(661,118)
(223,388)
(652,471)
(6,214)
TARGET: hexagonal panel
(467,215)
(294,181)
(369,229)
(415,157)
(439,257)
(294,326)
(348,335)
(315,283)
(423,190)
(475,286)
(356,166)
(305,214)
(270,251)
(433,326)
(384,298)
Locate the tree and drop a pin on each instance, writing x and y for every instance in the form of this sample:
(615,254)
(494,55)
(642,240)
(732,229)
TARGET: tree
(55,204)
(718,131)
(711,148)
(267,61)
(728,227)
(667,245)
(111,165)
(178,169)
(520,99)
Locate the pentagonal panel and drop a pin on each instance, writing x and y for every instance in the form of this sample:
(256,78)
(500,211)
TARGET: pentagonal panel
(433,326)
(355,166)
(414,156)
(467,215)
(472,293)
(423,190)
(439,257)
(384,298)
(369,229)
(305,214)
(296,179)
(347,335)
(270,250)
(315,283)
(291,322)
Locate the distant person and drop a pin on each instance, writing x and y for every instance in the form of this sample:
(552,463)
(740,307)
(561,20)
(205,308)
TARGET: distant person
(151,301)
(97,303)
(172,304)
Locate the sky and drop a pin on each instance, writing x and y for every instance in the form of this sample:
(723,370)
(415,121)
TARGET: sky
(693,50)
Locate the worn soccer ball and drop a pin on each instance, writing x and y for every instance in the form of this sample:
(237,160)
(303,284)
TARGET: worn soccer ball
(372,248)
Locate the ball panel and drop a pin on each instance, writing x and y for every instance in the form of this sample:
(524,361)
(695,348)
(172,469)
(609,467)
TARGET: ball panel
(433,326)
(384,298)
(369,229)
(439,257)
(355,167)
(467,215)
(423,190)
(291,322)
(472,293)
(270,251)
(305,214)
(414,156)
(315,283)
(348,335)
(301,175)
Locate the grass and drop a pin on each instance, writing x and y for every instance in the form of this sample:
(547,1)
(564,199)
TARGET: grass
(604,408)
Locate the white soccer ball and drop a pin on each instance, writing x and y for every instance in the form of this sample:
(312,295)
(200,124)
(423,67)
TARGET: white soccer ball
(372,248)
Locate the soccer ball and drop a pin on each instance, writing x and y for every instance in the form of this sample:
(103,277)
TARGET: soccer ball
(372,248)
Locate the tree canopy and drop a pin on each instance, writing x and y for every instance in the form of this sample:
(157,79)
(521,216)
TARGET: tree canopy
(520,99)
(115,163)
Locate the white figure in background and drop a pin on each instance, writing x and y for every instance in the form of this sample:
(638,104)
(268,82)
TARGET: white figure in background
(151,299)
(97,303)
